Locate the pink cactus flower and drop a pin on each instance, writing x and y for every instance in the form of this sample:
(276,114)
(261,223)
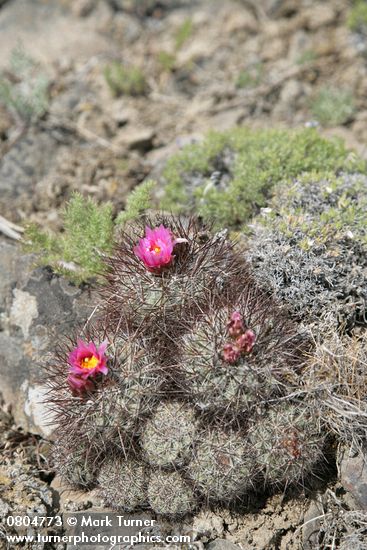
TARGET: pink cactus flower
(231,353)
(235,325)
(155,250)
(88,361)
(79,385)
(246,341)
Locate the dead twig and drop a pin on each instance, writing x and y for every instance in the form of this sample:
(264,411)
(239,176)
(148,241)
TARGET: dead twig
(10,229)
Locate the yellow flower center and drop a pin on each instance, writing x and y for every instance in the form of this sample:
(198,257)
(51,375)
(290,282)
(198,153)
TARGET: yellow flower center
(155,248)
(90,362)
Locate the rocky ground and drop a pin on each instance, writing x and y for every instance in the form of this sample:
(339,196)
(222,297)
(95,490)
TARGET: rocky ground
(200,65)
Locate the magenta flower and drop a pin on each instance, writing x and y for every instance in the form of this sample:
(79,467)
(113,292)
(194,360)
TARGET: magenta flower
(87,361)
(235,324)
(155,250)
(246,341)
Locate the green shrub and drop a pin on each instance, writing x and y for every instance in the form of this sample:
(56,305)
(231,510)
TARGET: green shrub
(78,251)
(125,80)
(333,106)
(357,18)
(229,176)
(137,202)
(24,89)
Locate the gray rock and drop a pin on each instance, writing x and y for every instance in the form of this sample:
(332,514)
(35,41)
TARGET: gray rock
(36,307)
(311,526)
(22,167)
(25,494)
(137,138)
(222,544)
(353,476)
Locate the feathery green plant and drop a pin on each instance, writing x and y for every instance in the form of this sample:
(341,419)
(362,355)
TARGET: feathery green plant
(137,202)
(78,251)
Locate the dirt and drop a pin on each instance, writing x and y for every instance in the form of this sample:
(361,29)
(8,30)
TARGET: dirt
(103,145)
(88,140)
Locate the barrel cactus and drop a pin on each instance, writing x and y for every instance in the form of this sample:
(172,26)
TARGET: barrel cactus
(174,387)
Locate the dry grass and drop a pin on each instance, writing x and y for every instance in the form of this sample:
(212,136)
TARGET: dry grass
(337,377)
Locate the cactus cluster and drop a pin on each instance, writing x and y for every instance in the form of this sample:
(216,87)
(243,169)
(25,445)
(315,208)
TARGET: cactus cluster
(198,403)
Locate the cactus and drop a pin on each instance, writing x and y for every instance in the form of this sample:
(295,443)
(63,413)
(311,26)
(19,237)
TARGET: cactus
(169,494)
(172,397)
(214,380)
(169,434)
(75,463)
(221,467)
(288,443)
(123,483)
(202,263)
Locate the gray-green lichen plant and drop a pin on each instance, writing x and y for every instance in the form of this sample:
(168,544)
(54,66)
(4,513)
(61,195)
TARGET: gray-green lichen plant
(180,393)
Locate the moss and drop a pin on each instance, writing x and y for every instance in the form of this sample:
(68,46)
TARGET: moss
(357,17)
(229,176)
(77,252)
(333,106)
(125,80)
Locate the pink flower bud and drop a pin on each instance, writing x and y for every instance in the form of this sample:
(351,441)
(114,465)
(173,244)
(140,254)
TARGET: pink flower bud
(231,353)
(246,341)
(79,385)
(235,325)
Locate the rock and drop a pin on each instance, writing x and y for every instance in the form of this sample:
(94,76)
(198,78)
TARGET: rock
(320,15)
(299,43)
(72,500)
(36,307)
(22,167)
(137,138)
(240,21)
(23,493)
(311,526)
(6,122)
(207,525)
(290,95)
(280,8)
(273,49)
(121,114)
(353,476)
(83,8)
(198,49)
(222,544)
